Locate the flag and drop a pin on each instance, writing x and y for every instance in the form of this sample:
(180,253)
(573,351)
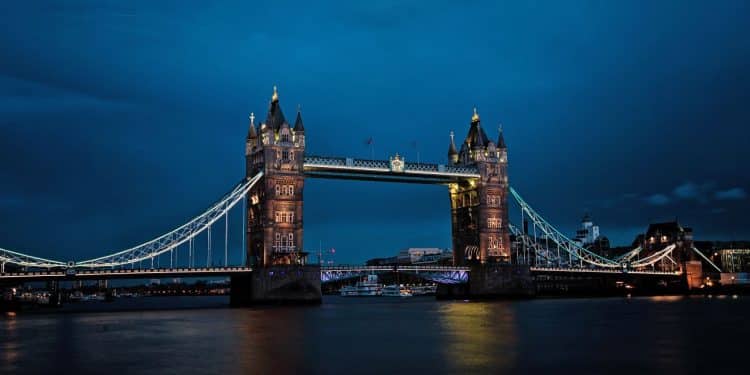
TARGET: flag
(369,141)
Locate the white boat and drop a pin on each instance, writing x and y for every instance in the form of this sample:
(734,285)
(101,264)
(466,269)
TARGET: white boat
(364,288)
(424,290)
(92,298)
(395,290)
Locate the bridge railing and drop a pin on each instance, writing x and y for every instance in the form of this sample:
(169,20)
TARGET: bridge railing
(384,165)
(395,268)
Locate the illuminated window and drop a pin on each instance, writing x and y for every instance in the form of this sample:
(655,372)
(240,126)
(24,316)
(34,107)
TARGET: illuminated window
(663,239)
(284,217)
(277,242)
(494,242)
(278,190)
(652,240)
(493,201)
(493,223)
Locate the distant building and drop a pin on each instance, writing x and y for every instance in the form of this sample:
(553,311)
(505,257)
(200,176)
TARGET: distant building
(416,255)
(588,232)
(734,260)
(389,261)
(659,235)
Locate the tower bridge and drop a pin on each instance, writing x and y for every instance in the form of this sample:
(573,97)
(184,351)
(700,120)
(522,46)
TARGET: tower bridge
(485,243)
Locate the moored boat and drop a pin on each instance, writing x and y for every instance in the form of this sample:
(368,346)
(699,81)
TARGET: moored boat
(396,290)
(363,288)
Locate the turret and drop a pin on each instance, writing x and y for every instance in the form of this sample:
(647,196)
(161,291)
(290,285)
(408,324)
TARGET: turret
(475,143)
(299,129)
(502,149)
(452,152)
(252,135)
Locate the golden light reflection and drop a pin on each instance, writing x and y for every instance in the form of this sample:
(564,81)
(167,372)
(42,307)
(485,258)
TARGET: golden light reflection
(9,346)
(269,342)
(665,298)
(482,336)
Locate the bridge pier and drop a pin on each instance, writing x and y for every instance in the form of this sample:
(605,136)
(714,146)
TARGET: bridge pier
(492,281)
(277,285)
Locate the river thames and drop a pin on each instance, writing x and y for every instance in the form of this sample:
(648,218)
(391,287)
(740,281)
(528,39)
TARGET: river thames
(181,335)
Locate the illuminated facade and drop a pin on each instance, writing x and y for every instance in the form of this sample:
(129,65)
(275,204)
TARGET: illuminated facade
(274,211)
(479,208)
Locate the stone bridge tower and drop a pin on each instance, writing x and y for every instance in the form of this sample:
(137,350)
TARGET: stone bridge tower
(274,204)
(479,209)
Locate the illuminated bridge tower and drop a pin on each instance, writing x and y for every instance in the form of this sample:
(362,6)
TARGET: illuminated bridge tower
(274,211)
(479,208)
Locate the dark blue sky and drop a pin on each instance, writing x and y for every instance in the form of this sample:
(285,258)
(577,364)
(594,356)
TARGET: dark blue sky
(120,120)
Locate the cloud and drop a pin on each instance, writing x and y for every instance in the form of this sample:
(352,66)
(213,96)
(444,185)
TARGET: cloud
(687,190)
(736,193)
(658,199)
(692,191)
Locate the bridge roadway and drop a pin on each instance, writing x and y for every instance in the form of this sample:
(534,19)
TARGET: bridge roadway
(383,170)
(110,274)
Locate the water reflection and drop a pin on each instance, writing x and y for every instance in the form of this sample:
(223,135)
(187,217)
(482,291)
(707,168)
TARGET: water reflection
(481,336)
(388,336)
(269,341)
(9,345)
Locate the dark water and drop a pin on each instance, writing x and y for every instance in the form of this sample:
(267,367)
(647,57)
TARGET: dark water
(663,335)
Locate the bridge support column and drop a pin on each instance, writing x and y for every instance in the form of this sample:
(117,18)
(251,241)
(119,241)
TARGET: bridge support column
(277,285)
(492,281)
(2,267)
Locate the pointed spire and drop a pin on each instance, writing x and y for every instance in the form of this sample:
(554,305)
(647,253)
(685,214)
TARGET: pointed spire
(298,126)
(480,139)
(452,147)
(275,117)
(252,133)
(500,138)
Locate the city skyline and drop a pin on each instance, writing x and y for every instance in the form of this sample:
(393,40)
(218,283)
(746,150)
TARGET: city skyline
(135,133)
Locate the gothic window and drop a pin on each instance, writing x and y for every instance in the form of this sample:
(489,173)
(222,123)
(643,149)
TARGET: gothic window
(278,190)
(493,223)
(493,201)
(494,242)
(284,217)
(277,242)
